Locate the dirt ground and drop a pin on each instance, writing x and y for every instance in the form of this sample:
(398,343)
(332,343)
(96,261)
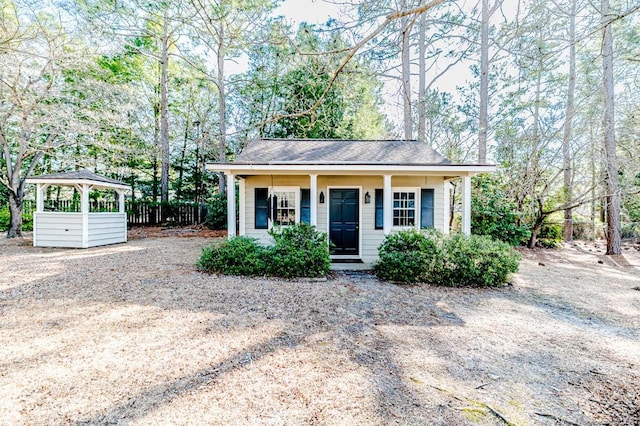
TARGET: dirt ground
(133,334)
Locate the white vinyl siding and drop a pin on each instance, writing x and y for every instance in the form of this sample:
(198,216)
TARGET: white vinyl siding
(370,237)
(56,229)
(107,228)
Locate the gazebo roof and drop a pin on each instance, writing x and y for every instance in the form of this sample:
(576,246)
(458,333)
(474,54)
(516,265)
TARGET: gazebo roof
(79,177)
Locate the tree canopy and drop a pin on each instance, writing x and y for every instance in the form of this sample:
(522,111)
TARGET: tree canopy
(148,92)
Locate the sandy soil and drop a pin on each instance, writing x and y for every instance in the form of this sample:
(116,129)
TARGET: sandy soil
(133,334)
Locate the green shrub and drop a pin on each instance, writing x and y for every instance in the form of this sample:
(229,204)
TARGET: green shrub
(494,213)
(475,261)
(550,235)
(299,251)
(460,260)
(630,230)
(5,218)
(408,256)
(235,256)
(217,212)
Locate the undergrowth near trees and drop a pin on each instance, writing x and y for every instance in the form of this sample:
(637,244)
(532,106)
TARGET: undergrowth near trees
(5,218)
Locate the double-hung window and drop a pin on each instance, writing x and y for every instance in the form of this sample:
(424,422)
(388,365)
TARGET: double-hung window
(411,207)
(405,204)
(281,206)
(284,204)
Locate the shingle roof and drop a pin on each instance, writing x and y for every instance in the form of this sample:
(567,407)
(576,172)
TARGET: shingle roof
(79,175)
(327,151)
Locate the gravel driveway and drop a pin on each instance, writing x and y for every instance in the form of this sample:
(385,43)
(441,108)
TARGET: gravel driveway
(133,334)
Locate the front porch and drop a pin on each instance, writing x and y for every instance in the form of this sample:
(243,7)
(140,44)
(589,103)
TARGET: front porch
(357,192)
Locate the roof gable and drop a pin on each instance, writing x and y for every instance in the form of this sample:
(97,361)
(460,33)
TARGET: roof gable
(331,151)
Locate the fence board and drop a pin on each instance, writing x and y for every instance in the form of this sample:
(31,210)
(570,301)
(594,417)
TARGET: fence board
(139,213)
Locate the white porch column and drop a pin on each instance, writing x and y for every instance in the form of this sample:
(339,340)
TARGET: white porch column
(446,199)
(313,202)
(241,206)
(84,210)
(466,205)
(387,207)
(231,205)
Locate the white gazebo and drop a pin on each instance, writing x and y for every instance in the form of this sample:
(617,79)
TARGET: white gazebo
(78,229)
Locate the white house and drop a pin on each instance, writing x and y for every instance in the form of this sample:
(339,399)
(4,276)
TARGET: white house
(356,191)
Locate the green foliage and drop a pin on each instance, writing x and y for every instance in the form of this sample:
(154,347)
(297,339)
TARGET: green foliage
(236,256)
(408,256)
(217,213)
(282,81)
(630,230)
(457,261)
(299,251)
(475,261)
(5,220)
(550,235)
(493,213)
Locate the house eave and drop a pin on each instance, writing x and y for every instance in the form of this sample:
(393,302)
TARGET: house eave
(349,168)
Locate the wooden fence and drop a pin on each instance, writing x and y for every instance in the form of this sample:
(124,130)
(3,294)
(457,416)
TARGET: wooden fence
(139,213)
(177,214)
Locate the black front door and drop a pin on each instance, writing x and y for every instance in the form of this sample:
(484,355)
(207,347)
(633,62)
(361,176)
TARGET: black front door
(343,221)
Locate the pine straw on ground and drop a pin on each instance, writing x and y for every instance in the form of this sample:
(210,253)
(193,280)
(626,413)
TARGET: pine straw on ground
(133,334)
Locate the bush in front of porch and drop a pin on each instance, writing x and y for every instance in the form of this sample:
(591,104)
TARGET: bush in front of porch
(455,261)
(299,251)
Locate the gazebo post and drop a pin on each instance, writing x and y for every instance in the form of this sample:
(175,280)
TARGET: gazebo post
(122,209)
(40,188)
(84,209)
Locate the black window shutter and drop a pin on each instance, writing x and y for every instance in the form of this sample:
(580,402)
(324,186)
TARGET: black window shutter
(262,208)
(379,209)
(426,209)
(305,205)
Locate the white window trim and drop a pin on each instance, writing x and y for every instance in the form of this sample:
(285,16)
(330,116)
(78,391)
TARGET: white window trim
(296,190)
(417,208)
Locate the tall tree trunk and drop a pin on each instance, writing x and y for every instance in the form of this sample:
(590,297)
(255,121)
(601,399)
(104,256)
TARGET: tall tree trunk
(222,107)
(183,154)
(567,231)
(484,83)
(15,203)
(537,226)
(406,77)
(155,179)
(16,185)
(422,78)
(164,114)
(594,180)
(613,196)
